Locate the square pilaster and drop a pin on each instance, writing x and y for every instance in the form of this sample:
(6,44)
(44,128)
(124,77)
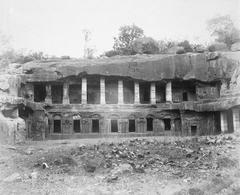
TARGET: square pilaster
(224,122)
(120,91)
(153,93)
(48,98)
(65,93)
(84,90)
(169,91)
(136,93)
(102,91)
(236,120)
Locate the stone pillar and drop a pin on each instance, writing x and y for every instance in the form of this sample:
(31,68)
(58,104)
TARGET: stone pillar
(224,87)
(224,122)
(136,93)
(120,91)
(153,93)
(236,120)
(65,93)
(169,92)
(102,91)
(14,84)
(84,90)
(48,98)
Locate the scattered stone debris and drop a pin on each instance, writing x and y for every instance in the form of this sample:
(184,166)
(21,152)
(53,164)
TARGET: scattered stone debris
(29,151)
(12,178)
(34,175)
(141,155)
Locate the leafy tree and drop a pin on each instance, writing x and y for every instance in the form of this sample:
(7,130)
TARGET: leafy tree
(124,41)
(217,47)
(223,29)
(145,45)
(111,53)
(186,45)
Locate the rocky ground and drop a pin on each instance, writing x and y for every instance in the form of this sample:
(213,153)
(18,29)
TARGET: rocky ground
(159,165)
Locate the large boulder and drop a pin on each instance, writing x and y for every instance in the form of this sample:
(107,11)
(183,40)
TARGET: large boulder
(12,127)
(12,130)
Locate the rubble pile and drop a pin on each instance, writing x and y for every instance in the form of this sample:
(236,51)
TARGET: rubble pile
(182,158)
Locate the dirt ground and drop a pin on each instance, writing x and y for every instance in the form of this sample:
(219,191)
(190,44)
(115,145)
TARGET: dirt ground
(146,165)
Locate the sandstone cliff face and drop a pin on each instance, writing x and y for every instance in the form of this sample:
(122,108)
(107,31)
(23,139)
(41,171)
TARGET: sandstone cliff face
(223,67)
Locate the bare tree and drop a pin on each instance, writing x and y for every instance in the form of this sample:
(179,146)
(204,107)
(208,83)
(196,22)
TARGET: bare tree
(88,51)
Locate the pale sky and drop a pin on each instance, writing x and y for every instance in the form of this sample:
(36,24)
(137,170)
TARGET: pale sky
(55,26)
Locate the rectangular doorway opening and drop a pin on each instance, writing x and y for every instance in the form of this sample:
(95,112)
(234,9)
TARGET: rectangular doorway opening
(39,92)
(144,89)
(131,127)
(111,90)
(167,124)
(114,126)
(76,126)
(160,93)
(75,94)
(95,126)
(185,96)
(193,130)
(128,92)
(57,94)
(57,126)
(149,124)
(93,90)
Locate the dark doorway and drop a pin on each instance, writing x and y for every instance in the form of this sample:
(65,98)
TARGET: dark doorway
(144,93)
(178,126)
(131,126)
(57,94)
(95,126)
(75,94)
(111,90)
(128,92)
(39,92)
(167,124)
(217,124)
(114,126)
(230,121)
(160,93)
(76,126)
(193,130)
(93,90)
(185,96)
(149,124)
(57,126)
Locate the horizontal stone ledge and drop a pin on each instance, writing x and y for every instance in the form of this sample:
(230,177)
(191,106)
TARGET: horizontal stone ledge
(109,135)
(198,106)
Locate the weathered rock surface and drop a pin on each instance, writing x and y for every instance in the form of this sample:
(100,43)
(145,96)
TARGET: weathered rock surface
(236,47)
(144,67)
(12,127)
(223,66)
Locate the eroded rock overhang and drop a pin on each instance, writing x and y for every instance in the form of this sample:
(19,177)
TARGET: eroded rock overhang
(202,67)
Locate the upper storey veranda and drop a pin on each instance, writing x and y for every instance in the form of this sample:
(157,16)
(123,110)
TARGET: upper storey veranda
(140,79)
